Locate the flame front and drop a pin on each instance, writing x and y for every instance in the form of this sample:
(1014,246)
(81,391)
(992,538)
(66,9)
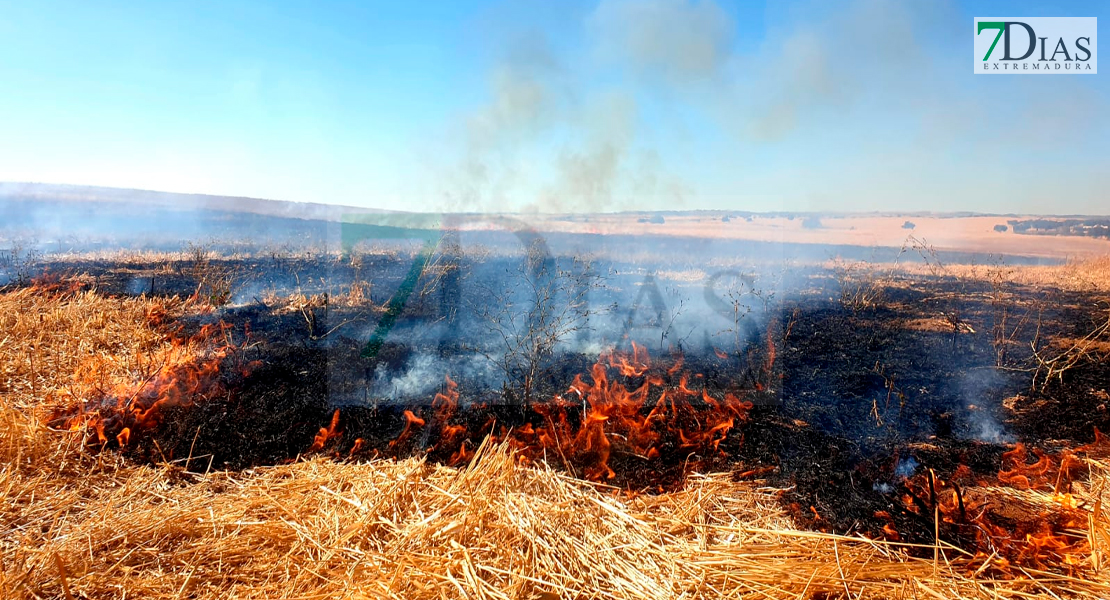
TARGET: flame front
(190,371)
(625,405)
(1032,526)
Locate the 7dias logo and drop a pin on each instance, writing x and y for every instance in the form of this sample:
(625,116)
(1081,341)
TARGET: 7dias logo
(1036,45)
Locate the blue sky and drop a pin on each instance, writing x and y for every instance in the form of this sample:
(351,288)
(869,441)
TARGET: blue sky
(614,105)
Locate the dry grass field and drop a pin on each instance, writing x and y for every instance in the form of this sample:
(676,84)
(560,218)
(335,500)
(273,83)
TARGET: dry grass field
(81,523)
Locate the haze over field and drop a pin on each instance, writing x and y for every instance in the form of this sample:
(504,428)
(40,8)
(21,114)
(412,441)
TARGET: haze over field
(69,218)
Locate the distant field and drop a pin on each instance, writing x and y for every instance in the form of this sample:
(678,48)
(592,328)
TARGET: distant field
(79,219)
(975,234)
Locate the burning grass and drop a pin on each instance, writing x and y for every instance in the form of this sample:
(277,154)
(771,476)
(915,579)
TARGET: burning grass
(628,405)
(80,524)
(1038,514)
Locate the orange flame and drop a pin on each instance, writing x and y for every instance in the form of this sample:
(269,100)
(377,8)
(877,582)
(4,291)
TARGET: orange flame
(56,285)
(411,421)
(1034,535)
(326,433)
(627,405)
(190,371)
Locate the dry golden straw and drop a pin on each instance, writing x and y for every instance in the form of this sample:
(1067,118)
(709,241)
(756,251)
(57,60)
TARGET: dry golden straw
(78,525)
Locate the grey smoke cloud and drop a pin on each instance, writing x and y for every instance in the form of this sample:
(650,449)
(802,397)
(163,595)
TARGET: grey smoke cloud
(827,66)
(673,42)
(588,170)
(863,95)
(528,91)
(539,106)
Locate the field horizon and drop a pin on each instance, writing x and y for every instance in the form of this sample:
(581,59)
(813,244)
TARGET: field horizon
(90,216)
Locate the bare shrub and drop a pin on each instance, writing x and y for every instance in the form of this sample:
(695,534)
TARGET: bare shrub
(538,305)
(215,280)
(740,300)
(861,285)
(1003,305)
(18,264)
(950,304)
(1094,346)
(677,307)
